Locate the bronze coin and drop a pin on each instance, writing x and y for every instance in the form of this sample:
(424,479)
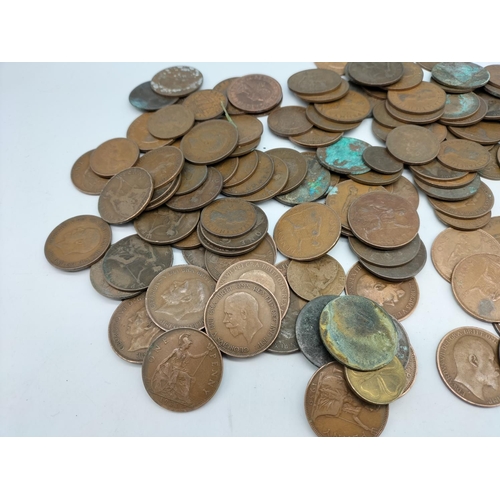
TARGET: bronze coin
(125,196)
(447,194)
(427,65)
(245,149)
(383,117)
(413,118)
(377,74)
(350,109)
(379,159)
(191,178)
(243,318)
(114,156)
(139,133)
(316,138)
(462,75)
(132,263)
(345,156)
(492,170)
(492,104)
(296,163)
(460,106)
(463,155)
(164,226)
(206,104)
(228,218)
(144,98)
(131,331)
(376,179)
(163,164)
(84,178)
(77,243)
(440,131)
(411,372)
(484,133)
(307,231)
(328,125)
(314,81)
(380,131)
(227,168)
(413,144)
(171,122)
(189,243)
(163,194)
(399,299)
(383,220)
(493,228)
(222,87)
(274,186)
(378,93)
(255,93)
(333,95)
(332,409)
(426,97)
(404,188)
(170,366)
(338,67)
(195,257)
(289,120)
(445,184)
(467,360)
(464,224)
(412,76)
(494,71)
(177,81)
(250,129)
(247,165)
(471,120)
(435,170)
(491,89)
(101,286)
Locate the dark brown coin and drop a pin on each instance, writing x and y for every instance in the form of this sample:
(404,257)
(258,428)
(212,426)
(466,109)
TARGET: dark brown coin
(484,132)
(246,167)
(424,98)
(378,74)
(205,238)
(195,257)
(171,122)
(103,287)
(412,76)
(144,98)
(139,133)
(427,65)
(492,170)
(163,164)
(77,243)
(463,155)
(328,125)
(380,160)
(316,138)
(493,228)
(274,186)
(314,81)
(289,120)
(229,218)
(249,128)
(163,194)
(227,168)
(296,163)
(383,117)
(84,178)
(192,241)
(333,95)
(125,196)
(464,224)
(255,93)
(206,104)
(132,263)
(412,144)
(114,156)
(450,194)
(182,370)
(191,178)
(177,81)
(463,75)
(345,156)
(131,330)
(372,178)
(350,109)
(436,170)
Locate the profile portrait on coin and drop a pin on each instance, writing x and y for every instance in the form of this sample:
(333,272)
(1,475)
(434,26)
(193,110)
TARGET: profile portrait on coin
(78,240)
(384,294)
(476,370)
(141,330)
(241,315)
(124,196)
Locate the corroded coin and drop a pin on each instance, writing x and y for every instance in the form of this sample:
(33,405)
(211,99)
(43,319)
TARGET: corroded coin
(352,108)
(473,119)
(463,155)
(464,224)
(191,178)
(139,133)
(77,243)
(255,93)
(163,164)
(426,97)
(463,75)
(460,106)
(476,285)
(307,231)
(345,156)
(113,156)
(243,318)
(206,104)
(314,81)
(84,178)
(333,410)
(144,98)
(413,144)
(182,370)
(177,297)
(177,81)
(289,120)
(103,287)
(399,299)
(125,196)
(171,122)
(228,218)
(467,360)
(378,74)
(379,159)
(131,330)
(296,163)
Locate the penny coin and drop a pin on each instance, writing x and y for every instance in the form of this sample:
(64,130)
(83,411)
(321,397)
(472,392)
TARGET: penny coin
(314,81)
(412,76)
(163,164)
(245,149)
(460,106)
(205,104)
(338,67)
(228,218)
(427,65)
(464,224)
(484,133)
(383,220)
(296,164)
(332,409)
(492,170)
(447,194)
(497,327)
(77,243)
(403,352)
(144,98)
(163,194)
(323,276)
(328,125)
(358,332)
(307,231)
(171,122)
(493,228)
(435,170)
(372,178)
(463,75)
(177,81)
(411,372)
(191,178)
(131,263)
(472,119)
(205,238)
(263,273)
(125,196)
(467,360)
(84,178)
(255,93)
(383,117)
(209,142)
(378,74)
(426,97)
(345,156)
(440,131)
(243,318)
(195,257)
(246,167)
(398,299)
(451,246)
(250,129)
(113,156)
(101,286)
(289,120)
(476,286)
(131,330)
(222,87)
(413,144)
(492,104)
(189,243)
(463,155)
(227,168)
(413,118)
(494,71)
(182,370)
(379,159)
(139,133)
(352,108)
(316,138)
(491,89)
(333,95)
(450,184)
(380,131)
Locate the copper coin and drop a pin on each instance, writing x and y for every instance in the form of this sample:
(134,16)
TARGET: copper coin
(249,128)
(296,163)
(314,81)
(451,246)
(413,144)
(411,372)
(206,104)
(404,188)
(323,276)
(177,81)
(139,133)
(383,220)
(84,178)
(494,71)
(464,224)
(492,104)
(380,131)
(189,243)
(467,360)
(491,89)
(492,170)
(399,299)
(484,133)
(246,167)
(378,74)
(450,184)
(245,149)
(205,238)
(227,168)
(333,95)
(345,156)
(460,106)
(77,243)
(338,67)
(101,286)
(191,178)
(114,156)
(131,330)
(144,98)
(195,257)
(435,170)
(493,228)
(383,117)
(328,125)
(463,155)
(307,231)
(125,196)
(463,75)
(332,409)
(182,370)
(412,76)
(228,218)
(372,178)
(163,194)
(163,164)
(171,122)
(426,97)
(222,87)
(289,120)
(427,65)
(380,160)
(255,93)
(350,109)
(450,194)
(472,119)
(316,138)
(440,131)
(413,118)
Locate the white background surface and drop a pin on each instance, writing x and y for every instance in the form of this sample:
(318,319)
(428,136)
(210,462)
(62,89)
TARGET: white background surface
(58,374)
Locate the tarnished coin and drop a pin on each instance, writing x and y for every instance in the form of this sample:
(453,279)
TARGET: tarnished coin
(314,81)
(104,288)
(307,231)
(473,119)
(476,285)
(192,241)
(398,299)
(426,97)
(377,74)
(227,168)
(132,263)
(460,106)
(484,133)
(125,196)
(373,178)
(323,276)
(411,372)
(144,98)
(492,170)
(206,104)
(413,118)
(427,65)
(405,188)
(274,186)
(77,243)
(493,228)
(247,164)
(171,122)
(195,257)
(131,330)
(228,218)
(403,352)
(463,75)
(163,194)
(492,104)
(413,144)
(435,170)
(379,159)
(249,128)
(345,156)
(467,360)
(358,332)
(316,138)
(331,96)
(113,156)
(84,178)
(177,81)
(463,155)
(380,131)
(139,133)
(412,76)
(464,224)
(163,164)
(383,117)
(222,87)
(289,120)
(191,178)
(352,108)
(243,318)
(296,164)
(338,67)
(255,93)
(333,410)
(245,149)
(182,370)
(323,123)
(450,193)
(440,131)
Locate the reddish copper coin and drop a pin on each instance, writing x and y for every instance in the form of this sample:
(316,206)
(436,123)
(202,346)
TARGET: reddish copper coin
(205,104)
(255,93)
(289,120)
(84,178)
(139,133)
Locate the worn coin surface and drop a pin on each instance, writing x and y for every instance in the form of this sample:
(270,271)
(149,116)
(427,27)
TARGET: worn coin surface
(352,108)
(403,352)
(333,95)
(413,144)
(412,76)
(288,120)
(139,133)
(144,98)
(426,97)
(493,228)
(191,178)
(345,156)
(113,156)
(163,164)
(467,360)
(249,128)
(255,93)
(373,178)
(192,241)
(195,257)
(84,178)
(206,104)
(378,74)
(314,81)
(228,218)
(459,190)
(247,164)
(323,123)
(483,132)
(410,371)
(379,159)
(177,81)
(103,287)
(464,224)
(296,164)
(163,194)
(460,106)
(462,75)
(171,122)
(274,186)
(435,170)
(463,155)
(182,370)
(227,168)
(492,170)
(316,138)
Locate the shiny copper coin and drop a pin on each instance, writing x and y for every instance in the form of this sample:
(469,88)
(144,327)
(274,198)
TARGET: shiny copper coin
(206,104)
(316,138)
(171,122)
(376,74)
(249,128)
(345,156)
(412,76)
(333,95)
(314,81)
(492,170)
(424,98)
(450,194)
(338,67)
(227,168)
(163,164)
(191,178)
(435,170)
(144,98)
(274,186)
(177,81)
(163,194)
(493,228)
(114,156)
(255,93)
(247,165)
(372,178)
(350,109)
(467,360)
(101,286)
(412,144)
(182,370)
(84,178)
(379,159)
(77,243)
(296,163)
(195,257)
(464,224)
(139,133)
(399,299)
(463,155)
(328,125)
(228,218)
(332,409)
(289,120)
(189,243)
(484,133)
(463,75)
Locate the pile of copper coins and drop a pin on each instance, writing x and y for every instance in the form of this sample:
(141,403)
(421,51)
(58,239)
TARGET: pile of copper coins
(189,176)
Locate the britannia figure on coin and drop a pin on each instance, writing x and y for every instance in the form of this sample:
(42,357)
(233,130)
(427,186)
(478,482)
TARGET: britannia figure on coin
(141,330)
(384,294)
(241,315)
